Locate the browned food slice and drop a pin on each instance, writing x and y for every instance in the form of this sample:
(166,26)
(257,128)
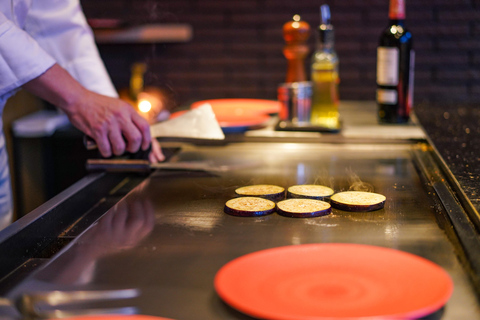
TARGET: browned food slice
(309,191)
(266,191)
(357,201)
(249,207)
(303,208)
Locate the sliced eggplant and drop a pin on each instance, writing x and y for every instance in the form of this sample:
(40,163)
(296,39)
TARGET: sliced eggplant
(266,191)
(357,201)
(309,191)
(303,208)
(249,207)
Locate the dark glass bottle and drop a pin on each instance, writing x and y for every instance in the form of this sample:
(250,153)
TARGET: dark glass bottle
(395,68)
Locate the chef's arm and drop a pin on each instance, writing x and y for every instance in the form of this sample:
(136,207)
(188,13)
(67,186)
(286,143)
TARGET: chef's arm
(112,123)
(61,29)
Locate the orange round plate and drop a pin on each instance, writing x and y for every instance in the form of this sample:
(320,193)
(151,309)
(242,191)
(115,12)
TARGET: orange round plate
(333,281)
(239,107)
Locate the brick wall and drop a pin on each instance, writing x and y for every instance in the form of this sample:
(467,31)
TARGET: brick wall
(237,46)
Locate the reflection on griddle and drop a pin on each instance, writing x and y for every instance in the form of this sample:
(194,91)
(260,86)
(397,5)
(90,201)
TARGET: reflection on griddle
(121,228)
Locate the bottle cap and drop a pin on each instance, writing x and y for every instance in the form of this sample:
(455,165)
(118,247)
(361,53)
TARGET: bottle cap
(325,14)
(325,30)
(396,10)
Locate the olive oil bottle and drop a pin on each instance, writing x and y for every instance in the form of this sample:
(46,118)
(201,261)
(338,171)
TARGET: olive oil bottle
(324,76)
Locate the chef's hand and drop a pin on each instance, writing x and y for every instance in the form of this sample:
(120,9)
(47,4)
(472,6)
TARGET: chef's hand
(156,154)
(114,124)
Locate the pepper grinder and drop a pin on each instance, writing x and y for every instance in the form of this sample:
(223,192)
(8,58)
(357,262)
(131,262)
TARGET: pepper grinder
(296,33)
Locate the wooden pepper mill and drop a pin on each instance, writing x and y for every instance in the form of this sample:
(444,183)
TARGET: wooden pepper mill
(296,33)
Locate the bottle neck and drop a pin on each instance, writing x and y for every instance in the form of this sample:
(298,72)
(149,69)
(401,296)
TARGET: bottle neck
(326,38)
(325,46)
(397,22)
(397,10)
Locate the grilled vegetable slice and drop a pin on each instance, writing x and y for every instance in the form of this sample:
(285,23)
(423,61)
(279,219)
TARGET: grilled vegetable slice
(249,207)
(357,201)
(303,208)
(309,191)
(266,191)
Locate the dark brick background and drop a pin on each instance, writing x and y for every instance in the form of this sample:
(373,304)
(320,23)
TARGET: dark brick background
(236,50)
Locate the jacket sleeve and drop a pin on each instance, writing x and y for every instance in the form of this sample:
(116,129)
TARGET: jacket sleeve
(21,58)
(61,29)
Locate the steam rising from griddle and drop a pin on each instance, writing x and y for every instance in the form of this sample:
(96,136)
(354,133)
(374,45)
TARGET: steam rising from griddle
(356,184)
(325,179)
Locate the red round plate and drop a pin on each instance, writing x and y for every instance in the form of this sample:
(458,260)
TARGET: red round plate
(333,281)
(117,317)
(239,107)
(249,120)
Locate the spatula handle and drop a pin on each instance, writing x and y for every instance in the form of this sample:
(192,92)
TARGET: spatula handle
(89,143)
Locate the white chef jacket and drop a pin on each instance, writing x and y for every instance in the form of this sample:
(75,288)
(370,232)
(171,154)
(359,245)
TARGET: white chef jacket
(34,35)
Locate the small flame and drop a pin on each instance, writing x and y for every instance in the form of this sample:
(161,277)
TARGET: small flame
(144,106)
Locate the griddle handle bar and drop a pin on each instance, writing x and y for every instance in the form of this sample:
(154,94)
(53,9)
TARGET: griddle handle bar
(118,165)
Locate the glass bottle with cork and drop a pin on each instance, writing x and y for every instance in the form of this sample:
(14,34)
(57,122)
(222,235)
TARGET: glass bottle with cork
(324,75)
(395,68)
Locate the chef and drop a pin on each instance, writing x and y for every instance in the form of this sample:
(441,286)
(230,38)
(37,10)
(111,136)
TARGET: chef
(47,48)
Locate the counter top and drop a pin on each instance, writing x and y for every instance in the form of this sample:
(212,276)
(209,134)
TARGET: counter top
(454,130)
(359,122)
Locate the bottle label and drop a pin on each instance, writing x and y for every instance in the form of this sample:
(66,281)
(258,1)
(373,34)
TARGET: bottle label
(396,10)
(387,66)
(385,96)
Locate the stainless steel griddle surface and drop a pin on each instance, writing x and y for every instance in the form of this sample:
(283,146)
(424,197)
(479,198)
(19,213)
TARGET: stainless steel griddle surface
(169,236)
